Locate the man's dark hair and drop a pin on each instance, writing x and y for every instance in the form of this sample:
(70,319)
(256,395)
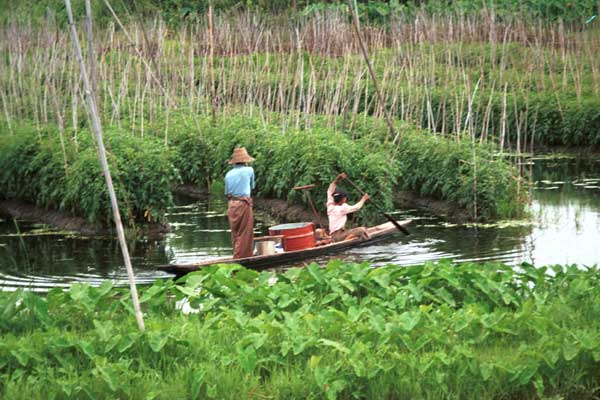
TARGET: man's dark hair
(339,194)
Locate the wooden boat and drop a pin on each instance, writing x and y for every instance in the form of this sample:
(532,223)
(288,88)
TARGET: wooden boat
(260,262)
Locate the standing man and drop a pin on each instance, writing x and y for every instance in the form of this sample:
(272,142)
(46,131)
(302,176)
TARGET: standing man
(239,182)
(337,209)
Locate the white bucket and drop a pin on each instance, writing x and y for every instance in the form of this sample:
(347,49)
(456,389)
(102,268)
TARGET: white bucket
(265,247)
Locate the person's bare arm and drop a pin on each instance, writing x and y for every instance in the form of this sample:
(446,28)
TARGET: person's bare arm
(333,185)
(352,208)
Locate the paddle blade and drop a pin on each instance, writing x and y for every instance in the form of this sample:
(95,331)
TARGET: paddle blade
(396,224)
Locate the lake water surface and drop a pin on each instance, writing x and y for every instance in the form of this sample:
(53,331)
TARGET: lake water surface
(563,228)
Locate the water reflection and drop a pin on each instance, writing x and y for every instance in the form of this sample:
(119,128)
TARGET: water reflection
(40,258)
(564,228)
(566,211)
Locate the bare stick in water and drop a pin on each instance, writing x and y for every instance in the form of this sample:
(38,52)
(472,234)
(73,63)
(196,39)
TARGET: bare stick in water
(102,155)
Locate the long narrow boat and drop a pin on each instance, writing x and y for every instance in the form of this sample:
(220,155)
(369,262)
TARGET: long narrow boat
(261,262)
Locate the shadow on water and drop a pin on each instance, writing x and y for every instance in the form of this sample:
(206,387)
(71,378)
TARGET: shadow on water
(564,228)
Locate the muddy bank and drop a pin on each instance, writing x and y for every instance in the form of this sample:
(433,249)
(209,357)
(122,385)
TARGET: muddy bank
(440,208)
(191,191)
(64,221)
(282,211)
(276,209)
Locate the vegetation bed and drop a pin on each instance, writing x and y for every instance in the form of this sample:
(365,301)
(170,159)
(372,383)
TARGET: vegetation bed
(35,168)
(466,174)
(345,331)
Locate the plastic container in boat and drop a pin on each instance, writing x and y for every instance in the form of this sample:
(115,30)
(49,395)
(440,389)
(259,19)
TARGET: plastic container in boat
(296,236)
(266,247)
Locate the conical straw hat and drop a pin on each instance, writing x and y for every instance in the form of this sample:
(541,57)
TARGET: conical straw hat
(240,155)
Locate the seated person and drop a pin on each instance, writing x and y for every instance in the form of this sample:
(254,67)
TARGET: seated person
(337,209)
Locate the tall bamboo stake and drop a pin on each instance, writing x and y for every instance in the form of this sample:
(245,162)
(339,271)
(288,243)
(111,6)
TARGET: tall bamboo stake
(6,113)
(61,128)
(355,23)
(212,63)
(91,60)
(102,155)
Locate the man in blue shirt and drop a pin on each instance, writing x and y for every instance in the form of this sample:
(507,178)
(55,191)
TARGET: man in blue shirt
(239,182)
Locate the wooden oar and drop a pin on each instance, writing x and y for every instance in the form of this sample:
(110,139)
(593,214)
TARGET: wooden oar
(306,188)
(381,210)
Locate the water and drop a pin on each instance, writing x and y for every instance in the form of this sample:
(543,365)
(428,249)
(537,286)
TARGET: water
(564,228)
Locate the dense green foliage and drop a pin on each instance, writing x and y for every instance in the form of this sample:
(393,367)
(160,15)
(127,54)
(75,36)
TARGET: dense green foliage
(430,165)
(32,168)
(177,11)
(434,331)
(445,169)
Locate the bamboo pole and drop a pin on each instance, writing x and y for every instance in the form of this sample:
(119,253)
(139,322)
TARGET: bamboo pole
(61,128)
(97,127)
(91,60)
(6,113)
(212,63)
(135,47)
(355,23)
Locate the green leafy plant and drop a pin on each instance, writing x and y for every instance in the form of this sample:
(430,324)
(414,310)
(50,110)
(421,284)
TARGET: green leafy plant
(344,331)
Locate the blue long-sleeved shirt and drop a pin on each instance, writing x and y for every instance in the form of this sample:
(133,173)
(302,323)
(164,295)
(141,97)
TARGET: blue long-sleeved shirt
(239,181)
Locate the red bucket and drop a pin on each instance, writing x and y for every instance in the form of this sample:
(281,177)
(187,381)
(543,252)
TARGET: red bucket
(295,236)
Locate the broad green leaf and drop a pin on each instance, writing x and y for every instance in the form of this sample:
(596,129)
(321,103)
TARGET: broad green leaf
(424,366)
(551,356)
(381,276)
(538,383)
(104,288)
(314,361)
(21,356)
(570,349)
(589,340)
(354,314)
(104,329)
(315,271)
(191,292)
(151,293)
(197,381)
(335,388)
(486,371)
(37,305)
(109,376)
(461,321)
(415,345)
(336,345)
(416,292)
(211,391)
(329,298)
(248,359)
(157,340)
(126,342)
(378,323)
(408,320)
(527,373)
(87,349)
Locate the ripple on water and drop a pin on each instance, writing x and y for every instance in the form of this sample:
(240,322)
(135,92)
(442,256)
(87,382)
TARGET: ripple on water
(564,228)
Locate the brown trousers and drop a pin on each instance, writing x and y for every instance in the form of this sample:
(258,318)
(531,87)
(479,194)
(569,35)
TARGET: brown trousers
(343,234)
(241,221)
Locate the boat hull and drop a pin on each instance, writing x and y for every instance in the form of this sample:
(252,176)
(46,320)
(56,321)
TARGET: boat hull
(262,262)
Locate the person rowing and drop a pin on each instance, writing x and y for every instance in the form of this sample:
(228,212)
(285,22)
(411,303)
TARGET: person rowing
(338,209)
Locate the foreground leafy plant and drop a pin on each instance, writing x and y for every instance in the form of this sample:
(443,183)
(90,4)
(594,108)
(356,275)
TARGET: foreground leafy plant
(345,331)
